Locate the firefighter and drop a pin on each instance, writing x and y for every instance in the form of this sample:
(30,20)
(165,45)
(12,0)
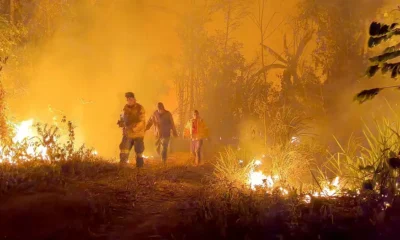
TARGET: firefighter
(197,131)
(133,123)
(163,124)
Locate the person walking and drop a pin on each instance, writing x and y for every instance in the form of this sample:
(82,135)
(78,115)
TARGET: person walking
(163,124)
(133,123)
(197,131)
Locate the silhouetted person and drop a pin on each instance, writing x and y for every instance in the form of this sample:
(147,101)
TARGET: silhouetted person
(163,124)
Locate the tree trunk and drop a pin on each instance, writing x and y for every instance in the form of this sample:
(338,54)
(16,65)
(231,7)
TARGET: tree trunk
(228,22)
(265,127)
(3,119)
(12,11)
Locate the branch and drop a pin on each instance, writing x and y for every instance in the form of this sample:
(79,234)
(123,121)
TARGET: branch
(277,56)
(276,28)
(269,22)
(269,67)
(302,45)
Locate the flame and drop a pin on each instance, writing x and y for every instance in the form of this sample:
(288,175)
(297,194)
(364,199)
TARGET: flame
(147,157)
(332,189)
(23,131)
(307,199)
(258,179)
(294,140)
(283,191)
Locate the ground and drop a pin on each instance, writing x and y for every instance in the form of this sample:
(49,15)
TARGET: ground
(102,200)
(115,204)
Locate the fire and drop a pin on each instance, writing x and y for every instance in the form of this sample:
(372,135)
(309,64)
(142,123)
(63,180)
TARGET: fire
(24,133)
(147,156)
(307,199)
(257,179)
(257,162)
(332,189)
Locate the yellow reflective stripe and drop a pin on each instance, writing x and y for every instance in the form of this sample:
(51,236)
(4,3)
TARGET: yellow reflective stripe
(125,151)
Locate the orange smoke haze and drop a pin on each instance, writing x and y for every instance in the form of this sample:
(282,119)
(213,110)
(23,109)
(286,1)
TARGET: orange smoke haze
(85,68)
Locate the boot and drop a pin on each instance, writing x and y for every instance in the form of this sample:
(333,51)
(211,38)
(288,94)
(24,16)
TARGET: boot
(139,162)
(123,158)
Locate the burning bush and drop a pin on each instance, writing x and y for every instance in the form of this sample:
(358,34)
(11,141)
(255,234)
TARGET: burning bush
(42,142)
(286,154)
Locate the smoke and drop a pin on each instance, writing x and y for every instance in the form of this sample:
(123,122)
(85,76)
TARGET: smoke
(100,52)
(85,68)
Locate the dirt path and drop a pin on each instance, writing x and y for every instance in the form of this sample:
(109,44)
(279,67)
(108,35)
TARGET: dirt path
(115,204)
(164,206)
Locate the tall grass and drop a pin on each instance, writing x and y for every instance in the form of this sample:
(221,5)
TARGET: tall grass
(292,162)
(363,161)
(233,166)
(285,123)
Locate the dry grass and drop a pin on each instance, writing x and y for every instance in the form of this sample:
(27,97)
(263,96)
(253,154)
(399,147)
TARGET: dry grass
(233,166)
(291,162)
(226,212)
(364,160)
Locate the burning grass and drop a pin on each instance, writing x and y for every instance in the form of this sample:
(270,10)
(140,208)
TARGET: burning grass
(232,213)
(365,163)
(39,156)
(247,197)
(278,195)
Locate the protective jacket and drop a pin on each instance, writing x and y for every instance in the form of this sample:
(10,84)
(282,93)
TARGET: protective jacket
(196,129)
(162,123)
(134,121)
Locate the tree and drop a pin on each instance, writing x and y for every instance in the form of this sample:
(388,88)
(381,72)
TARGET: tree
(12,11)
(259,90)
(234,11)
(262,27)
(339,55)
(191,72)
(380,33)
(292,82)
(4,128)
(221,79)
(11,35)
